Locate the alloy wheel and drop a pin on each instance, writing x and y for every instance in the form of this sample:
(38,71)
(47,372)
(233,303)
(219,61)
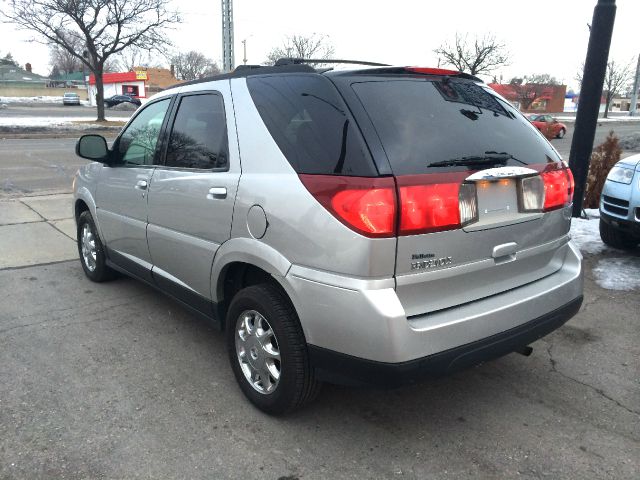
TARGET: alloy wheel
(258,351)
(88,247)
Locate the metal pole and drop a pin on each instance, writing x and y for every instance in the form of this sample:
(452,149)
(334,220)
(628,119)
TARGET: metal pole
(244,48)
(634,95)
(227,36)
(604,15)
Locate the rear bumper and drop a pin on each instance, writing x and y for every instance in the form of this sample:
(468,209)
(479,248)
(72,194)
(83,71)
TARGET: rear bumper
(365,319)
(340,368)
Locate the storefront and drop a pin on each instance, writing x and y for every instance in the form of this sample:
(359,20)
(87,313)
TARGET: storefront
(128,83)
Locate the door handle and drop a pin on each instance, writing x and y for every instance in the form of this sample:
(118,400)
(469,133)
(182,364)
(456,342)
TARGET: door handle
(217,192)
(141,185)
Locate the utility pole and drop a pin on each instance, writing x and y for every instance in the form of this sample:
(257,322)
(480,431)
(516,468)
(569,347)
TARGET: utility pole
(634,95)
(228,61)
(604,15)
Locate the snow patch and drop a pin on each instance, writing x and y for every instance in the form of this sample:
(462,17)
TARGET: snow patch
(51,122)
(586,233)
(592,213)
(618,273)
(624,118)
(42,99)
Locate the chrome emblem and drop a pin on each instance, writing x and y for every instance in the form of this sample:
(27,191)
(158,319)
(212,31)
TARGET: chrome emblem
(431,263)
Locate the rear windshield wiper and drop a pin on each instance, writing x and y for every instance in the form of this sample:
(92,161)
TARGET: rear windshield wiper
(489,158)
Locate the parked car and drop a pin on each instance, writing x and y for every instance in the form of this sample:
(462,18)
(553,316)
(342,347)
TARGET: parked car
(336,231)
(118,99)
(620,205)
(549,126)
(70,98)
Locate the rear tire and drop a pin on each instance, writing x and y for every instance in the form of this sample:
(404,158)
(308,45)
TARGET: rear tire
(561,133)
(270,315)
(91,250)
(613,237)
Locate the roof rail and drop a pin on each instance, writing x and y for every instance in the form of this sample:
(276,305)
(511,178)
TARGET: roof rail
(296,61)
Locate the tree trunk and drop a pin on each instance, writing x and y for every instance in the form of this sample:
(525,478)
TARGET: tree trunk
(100,93)
(608,99)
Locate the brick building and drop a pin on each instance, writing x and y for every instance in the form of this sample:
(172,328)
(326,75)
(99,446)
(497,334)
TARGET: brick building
(550,101)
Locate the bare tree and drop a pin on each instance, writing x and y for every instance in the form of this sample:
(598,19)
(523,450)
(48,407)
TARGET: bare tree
(617,78)
(106,27)
(531,88)
(478,57)
(134,57)
(192,65)
(314,46)
(64,61)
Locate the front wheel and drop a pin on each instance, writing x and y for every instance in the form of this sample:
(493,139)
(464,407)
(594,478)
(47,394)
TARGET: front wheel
(615,238)
(91,250)
(268,351)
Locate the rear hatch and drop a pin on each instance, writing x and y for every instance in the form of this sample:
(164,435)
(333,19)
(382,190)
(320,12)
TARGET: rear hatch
(481,194)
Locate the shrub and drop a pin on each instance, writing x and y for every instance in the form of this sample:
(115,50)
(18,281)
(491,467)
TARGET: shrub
(604,157)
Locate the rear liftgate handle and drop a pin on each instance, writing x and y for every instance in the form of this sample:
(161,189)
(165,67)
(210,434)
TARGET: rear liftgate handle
(505,253)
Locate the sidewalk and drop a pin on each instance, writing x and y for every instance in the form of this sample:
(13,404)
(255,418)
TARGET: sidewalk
(36,230)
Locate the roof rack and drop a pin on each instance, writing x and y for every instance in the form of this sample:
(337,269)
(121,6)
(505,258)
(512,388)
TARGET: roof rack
(297,61)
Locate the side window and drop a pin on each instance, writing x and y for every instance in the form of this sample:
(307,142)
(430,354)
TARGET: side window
(311,124)
(137,145)
(199,134)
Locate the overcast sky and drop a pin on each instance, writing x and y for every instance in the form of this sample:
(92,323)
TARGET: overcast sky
(542,36)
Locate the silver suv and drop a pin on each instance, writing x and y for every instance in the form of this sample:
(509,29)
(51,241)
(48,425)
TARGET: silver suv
(367,226)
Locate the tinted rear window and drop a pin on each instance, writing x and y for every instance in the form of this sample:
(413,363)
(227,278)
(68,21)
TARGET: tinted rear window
(311,125)
(421,121)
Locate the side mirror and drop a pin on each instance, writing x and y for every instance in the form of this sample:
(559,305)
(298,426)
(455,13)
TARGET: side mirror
(92,147)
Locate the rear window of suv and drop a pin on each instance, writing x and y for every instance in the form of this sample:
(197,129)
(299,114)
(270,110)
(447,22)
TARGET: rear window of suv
(422,121)
(311,124)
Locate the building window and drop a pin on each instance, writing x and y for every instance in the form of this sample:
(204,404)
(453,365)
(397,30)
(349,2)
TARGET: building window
(131,90)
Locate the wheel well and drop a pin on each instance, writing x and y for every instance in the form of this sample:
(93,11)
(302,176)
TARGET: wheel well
(236,276)
(80,207)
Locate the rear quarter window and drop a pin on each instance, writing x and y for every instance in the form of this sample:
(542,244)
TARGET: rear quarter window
(311,124)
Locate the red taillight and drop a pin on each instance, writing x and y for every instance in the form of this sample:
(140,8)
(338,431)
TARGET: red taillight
(428,203)
(369,211)
(558,188)
(366,205)
(432,71)
(428,208)
(435,202)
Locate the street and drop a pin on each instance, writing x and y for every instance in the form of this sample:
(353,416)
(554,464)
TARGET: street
(55,111)
(37,165)
(32,165)
(116,380)
(621,129)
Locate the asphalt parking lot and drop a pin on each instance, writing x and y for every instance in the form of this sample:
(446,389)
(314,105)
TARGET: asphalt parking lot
(117,381)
